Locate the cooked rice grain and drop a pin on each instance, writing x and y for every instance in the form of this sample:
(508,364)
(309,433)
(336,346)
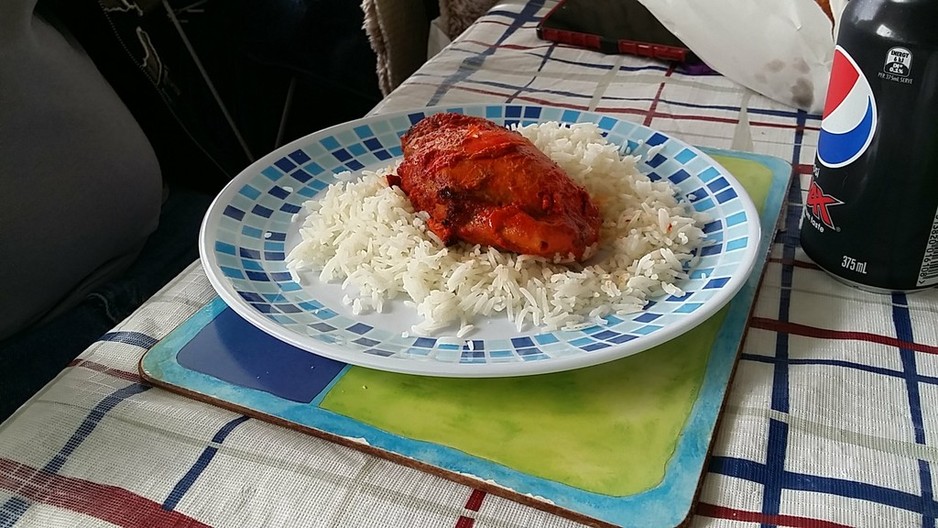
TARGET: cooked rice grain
(367,235)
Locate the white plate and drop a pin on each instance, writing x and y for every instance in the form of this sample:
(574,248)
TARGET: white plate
(249,229)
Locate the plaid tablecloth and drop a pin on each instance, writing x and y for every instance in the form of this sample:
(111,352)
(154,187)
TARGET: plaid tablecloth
(827,423)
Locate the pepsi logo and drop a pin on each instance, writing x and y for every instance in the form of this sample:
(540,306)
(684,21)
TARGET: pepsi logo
(849,114)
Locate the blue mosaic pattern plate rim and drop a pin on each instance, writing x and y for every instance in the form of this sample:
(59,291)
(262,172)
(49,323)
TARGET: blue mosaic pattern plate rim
(243,246)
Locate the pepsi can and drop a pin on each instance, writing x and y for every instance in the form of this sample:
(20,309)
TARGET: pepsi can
(871,212)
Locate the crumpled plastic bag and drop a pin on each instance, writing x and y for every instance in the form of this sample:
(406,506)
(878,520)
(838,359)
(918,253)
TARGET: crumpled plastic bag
(782,49)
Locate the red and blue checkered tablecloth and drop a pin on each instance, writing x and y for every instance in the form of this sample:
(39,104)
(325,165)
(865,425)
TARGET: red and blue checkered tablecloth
(827,424)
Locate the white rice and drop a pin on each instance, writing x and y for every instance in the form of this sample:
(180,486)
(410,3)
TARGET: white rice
(365,233)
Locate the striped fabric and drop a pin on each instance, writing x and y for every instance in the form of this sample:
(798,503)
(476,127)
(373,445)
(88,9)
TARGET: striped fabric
(827,423)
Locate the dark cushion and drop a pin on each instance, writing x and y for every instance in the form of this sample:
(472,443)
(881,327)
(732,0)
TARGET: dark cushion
(80,185)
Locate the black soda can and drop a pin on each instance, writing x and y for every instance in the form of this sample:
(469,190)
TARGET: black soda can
(871,214)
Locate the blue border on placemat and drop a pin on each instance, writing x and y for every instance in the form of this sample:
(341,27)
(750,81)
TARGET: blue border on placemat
(669,502)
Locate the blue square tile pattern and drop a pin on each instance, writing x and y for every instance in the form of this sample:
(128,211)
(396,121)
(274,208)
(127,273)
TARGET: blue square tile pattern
(656,161)
(595,346)
(678,176)
(364,341)
(688,307)
(285,164)
(738,243)
(735,219)
(233,212)
(310,305)
(251,297)
(708,174)
(290,286)
(606,335)
(251,231)
(718,184)
(647,317)
(273,297)
(263,308)
(250,247)
(257,276)
(359,328)
(545,339)
(607,123)
(342,155)
(249,192)
(251,265)
(697,195)
(364,131)
(624,338)
(280,276)
(716,283)
(223,247)
(474,344)
(301,175)
(249,253)
(314,168)
(685,155)
(647,329)
(726,195)
(299,157)
(703,205)
(713,226)
(279,192)
(677,298)
(330,142)
(260,210)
